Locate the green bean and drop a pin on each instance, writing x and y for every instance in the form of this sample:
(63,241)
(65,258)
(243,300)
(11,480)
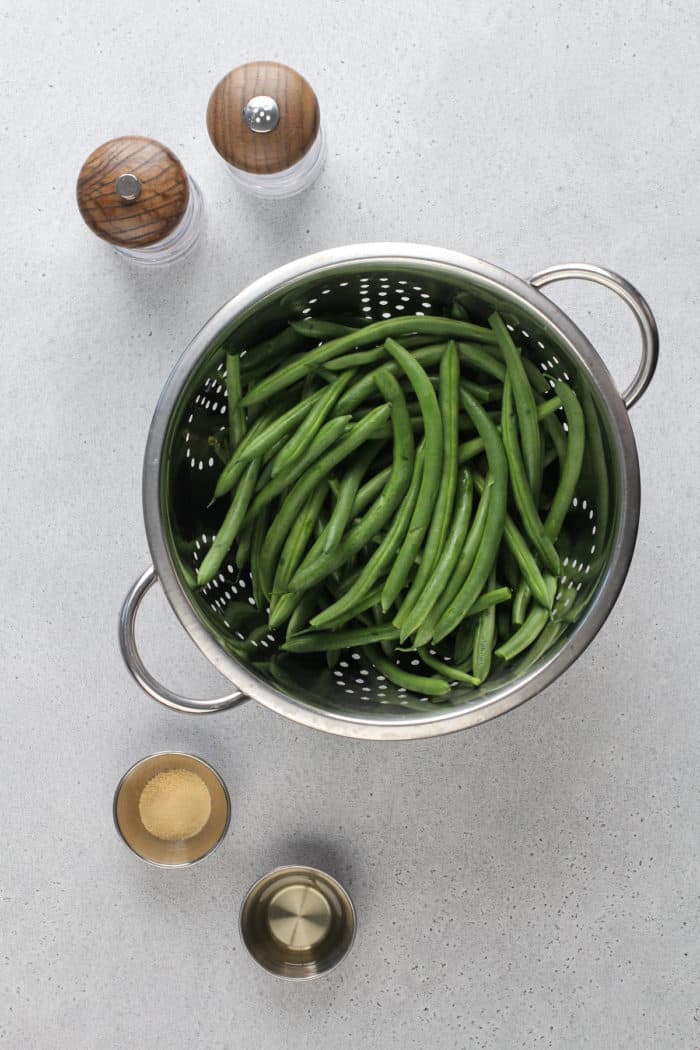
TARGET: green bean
(534,624)
(363,388)
(573,459)
(481,359)
(327,437)
(236,415)
(233,471)
(464,641)
(319,641)
(229,526)
(259,531)
(596,452)
(458,312)
(551,633)
(522,554)
(369,601)
(469,449)
(425,686)
(317,565)
(521,602)
(295,544)
(443,570)
(484,394)
(264,436)
(304,609)
(374,333)
(268,353)
(495,522)
(306,483)
(522,493)
(449,671)
(524,403)
(359,358)
(382,557)
(555,432)
(503,626)
(318,328)
(343,510)
(491,598)
(367,492)
(485,637)
(430,481)
(299,442)
(461,568)
(243,547)
(448,402)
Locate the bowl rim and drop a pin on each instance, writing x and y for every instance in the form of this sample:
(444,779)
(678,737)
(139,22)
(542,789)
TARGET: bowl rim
(446,263)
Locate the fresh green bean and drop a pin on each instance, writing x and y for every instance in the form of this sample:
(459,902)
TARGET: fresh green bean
(571,468)
(430,480)
(319,641)
(448,402)
(469,449)
(485,637)
(264,436)
(236,415)
(255,360)
(533,626)
(483,360)
(393,327)
(521,552)
(343,510)
(369,601)
(245,537)
(259,530)
(449,671)
(421,684)
(555,432)
(327,438)
(297,539)
(363,388)
(317,565)
(382,557)
(495,523)
(306,483)
(304,609)
(524,403)
(464,642)
(230,525)
(491,598)
(461,568)
(521,602)
(297,445)
(318,328)
(522,493)
(444,568)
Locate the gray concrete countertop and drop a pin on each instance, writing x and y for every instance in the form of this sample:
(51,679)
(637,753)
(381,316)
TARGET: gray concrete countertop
(531,883)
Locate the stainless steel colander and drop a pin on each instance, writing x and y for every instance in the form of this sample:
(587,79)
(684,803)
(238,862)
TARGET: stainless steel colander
(180,468)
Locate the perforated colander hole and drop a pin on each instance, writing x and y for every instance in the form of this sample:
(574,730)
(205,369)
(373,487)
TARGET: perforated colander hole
(415,663)
(366,689)
(343,663)
(386,314)
(338,674)
(251,600)
(351,691)
(383,302)
(593,549)
(312,301)
(343,284)
(211,461)
(239,634)
(306,310)
(399,306)
(574,502)
(325,291)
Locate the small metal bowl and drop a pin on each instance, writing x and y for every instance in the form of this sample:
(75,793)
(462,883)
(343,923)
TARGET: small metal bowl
(181,852)
(297,922)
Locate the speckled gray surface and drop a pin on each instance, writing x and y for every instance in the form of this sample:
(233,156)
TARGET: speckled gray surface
(529,883)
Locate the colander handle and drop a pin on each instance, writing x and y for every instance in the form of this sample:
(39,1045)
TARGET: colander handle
(132,659)
(637,304)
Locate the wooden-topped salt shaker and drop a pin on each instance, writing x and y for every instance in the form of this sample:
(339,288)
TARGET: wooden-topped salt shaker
(263,118)
(135,194)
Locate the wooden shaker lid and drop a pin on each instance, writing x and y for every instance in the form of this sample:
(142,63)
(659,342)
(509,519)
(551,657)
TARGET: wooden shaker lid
(263,117)
(132,191)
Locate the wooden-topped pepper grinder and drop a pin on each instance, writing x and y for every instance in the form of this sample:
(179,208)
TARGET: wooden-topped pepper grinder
(263,118)
(134,193)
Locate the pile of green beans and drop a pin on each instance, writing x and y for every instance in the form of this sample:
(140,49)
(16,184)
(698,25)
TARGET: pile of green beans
(398,488)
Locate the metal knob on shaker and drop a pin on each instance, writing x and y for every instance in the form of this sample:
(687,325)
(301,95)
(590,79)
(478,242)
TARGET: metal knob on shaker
(264,120)
(134,193)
